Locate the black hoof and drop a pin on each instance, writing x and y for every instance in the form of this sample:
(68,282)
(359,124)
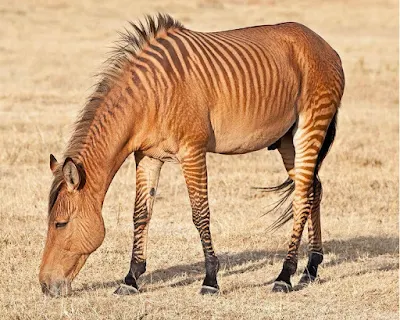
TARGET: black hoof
(209,290)
(305,280)
(125,290)
(282,286)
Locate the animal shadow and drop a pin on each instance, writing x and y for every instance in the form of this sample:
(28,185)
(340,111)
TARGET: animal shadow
(252,260)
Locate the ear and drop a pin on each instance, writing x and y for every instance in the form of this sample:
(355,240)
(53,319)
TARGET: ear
(74,175)
(53,163)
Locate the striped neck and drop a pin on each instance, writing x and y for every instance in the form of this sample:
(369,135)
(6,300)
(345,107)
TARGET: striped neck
(103,140)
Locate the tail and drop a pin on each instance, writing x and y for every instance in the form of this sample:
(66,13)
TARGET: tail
(287,188)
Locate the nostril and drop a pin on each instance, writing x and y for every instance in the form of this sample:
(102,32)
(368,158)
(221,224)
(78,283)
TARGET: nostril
(56,288)
(45,288)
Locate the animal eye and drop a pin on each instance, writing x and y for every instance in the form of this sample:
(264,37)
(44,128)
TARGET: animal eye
(61,224)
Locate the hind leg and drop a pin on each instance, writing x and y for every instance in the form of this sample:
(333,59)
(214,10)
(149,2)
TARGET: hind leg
(287,152)
(314,238)
(286,149)
(308,141)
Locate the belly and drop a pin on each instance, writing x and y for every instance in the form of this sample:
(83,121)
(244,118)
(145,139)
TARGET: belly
(240,134)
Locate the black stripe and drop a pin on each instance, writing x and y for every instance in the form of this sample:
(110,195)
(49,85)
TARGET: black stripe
(218,57)
(198,68)
(171,51)
(246,56)
(239,42)
(164,61)
(205,65)
(182,49)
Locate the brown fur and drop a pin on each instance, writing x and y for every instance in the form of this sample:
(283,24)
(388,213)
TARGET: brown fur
(172,94)
(129,44)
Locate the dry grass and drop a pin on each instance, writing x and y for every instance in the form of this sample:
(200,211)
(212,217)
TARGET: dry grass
(48,52)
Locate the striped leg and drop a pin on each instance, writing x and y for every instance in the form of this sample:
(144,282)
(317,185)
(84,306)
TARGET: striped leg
(308,141)
(195,171)
(314,238)
(286,149)
(147,175)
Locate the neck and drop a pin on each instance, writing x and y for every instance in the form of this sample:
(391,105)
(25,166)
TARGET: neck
(103,140)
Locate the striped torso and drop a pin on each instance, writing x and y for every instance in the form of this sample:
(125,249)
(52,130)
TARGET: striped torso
(234,91)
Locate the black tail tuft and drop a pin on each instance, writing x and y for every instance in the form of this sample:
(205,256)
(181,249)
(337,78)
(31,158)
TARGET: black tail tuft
(287,188)
(281,188)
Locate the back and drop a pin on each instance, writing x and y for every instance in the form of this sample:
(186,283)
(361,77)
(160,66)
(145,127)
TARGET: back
(249,80)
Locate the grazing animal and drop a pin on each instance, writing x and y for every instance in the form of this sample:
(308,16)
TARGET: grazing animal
(172,94)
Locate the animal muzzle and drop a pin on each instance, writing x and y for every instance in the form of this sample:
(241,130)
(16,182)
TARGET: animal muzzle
(56,288)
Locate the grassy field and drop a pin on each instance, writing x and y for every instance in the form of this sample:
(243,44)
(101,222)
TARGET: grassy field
(49,51)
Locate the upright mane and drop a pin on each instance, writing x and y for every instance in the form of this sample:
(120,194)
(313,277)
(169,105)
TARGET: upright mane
(127,47)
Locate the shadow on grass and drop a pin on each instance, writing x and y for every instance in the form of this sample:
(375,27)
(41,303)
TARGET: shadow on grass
(237,263)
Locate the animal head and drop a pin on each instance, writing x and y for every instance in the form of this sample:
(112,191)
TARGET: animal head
(75,227)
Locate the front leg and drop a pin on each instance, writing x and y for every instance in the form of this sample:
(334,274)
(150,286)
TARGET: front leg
(195,172)
(147,176)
